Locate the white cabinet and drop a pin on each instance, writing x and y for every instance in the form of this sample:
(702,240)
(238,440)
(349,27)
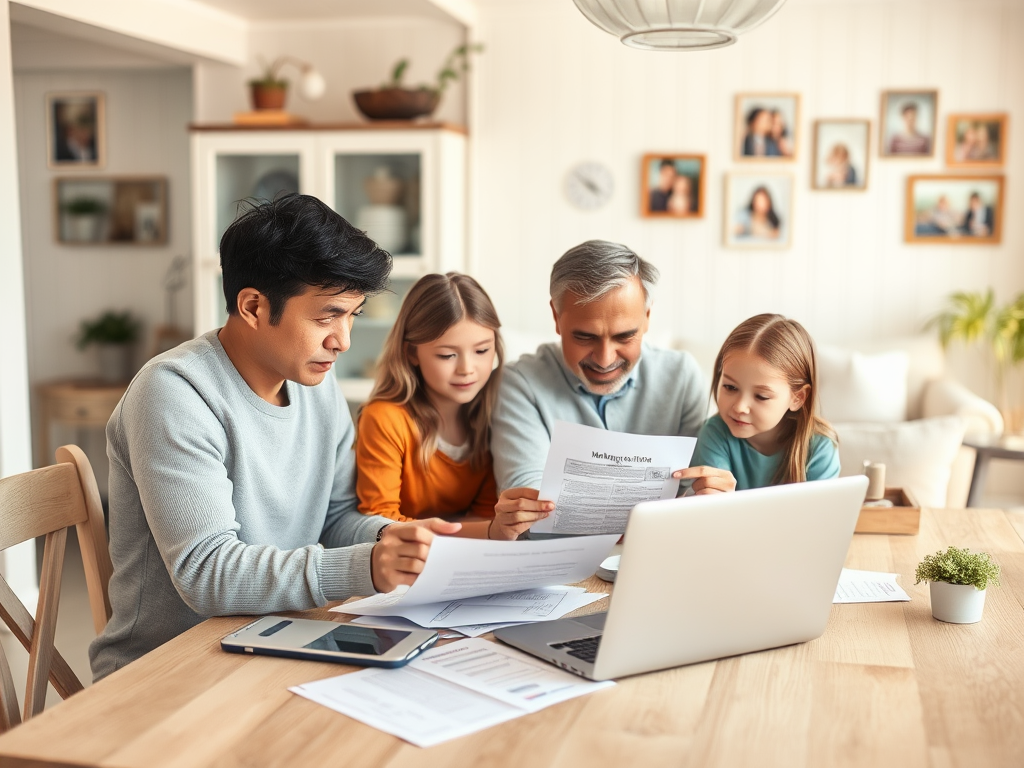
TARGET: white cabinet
(424,227)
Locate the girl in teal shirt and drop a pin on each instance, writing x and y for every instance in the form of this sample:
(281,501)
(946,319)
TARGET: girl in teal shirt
(766,431)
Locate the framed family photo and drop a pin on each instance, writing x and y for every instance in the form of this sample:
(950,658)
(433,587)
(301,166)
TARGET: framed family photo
(962,210)
(75,130)
(758,210)
(841,154)
(767,126)
(907,124)
(672,186)
(976,140)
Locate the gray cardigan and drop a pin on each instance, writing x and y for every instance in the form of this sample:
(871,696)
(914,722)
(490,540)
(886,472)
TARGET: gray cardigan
(668,396)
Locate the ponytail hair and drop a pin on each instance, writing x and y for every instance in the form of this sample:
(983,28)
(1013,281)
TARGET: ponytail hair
(432,306)
(786,346)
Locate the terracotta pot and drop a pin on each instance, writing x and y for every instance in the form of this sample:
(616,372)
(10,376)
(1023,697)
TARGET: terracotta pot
(266,96)
(396,103)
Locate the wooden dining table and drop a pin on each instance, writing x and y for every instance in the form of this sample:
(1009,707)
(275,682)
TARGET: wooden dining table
(885,685)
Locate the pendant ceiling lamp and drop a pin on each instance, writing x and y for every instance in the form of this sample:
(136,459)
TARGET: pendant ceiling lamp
(677,25)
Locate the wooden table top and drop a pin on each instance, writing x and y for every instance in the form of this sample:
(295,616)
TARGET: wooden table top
(886,685)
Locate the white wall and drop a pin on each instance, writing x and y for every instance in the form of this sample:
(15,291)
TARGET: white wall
(148,112)
(17,564)
(350,54)
(553,90)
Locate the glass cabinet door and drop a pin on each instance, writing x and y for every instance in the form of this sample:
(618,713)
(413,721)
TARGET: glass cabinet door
(241,177)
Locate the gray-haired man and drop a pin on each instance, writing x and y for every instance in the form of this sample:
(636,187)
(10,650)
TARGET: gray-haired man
(601,375)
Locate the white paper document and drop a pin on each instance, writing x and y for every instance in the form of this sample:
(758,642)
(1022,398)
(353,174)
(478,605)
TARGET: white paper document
(457,569)
(868,587)
(595,477)
(397,622)
(447,692)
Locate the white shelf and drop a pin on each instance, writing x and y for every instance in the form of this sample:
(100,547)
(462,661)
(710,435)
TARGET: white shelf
(356,391)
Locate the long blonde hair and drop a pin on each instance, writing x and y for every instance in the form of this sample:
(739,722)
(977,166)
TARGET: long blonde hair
(785,345)
(432,306)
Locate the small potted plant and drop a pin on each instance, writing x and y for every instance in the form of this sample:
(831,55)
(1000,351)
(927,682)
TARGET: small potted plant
(957,580)
(393,101)
(114,334)
(84,217)
(269,90)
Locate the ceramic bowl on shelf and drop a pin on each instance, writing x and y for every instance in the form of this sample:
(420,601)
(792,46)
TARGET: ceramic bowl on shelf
(396,103)
(386,226)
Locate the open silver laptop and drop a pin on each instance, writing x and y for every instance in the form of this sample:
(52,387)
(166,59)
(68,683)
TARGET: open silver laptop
(711,576)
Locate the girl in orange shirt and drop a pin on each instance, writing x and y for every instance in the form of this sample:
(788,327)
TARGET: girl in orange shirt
(422,448)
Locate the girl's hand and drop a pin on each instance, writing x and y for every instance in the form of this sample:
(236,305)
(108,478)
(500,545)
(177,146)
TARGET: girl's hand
(517,509)
(707,479)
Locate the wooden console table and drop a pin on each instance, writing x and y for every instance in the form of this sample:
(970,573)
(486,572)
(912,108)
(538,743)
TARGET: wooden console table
(74,403)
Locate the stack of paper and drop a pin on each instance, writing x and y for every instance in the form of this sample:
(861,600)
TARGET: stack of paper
(869,587)
(449,691)
(465,583)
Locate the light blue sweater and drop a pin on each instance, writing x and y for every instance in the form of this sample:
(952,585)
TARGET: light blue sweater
(667,396)
(221,503)
(716,447)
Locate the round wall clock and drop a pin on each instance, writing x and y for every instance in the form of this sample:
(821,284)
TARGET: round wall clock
(589,185)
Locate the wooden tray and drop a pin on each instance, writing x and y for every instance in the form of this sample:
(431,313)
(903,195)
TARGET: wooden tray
(904,517)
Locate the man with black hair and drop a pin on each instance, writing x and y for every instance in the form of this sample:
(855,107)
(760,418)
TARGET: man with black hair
(231,466)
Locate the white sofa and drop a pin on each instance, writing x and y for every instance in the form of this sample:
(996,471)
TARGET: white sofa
(892,402)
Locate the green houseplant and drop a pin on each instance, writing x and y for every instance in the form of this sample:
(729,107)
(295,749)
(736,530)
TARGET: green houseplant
(114,334)
(84,215)
(974,318)
(957,581)
(394,101)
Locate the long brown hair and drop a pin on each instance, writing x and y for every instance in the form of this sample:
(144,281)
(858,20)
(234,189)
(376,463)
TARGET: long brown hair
(432,306)
(785,345)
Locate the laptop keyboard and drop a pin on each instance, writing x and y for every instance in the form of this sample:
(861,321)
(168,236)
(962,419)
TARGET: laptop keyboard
(584,649)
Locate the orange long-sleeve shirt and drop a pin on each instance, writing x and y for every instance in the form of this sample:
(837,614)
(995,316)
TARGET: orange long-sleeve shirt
(390,481)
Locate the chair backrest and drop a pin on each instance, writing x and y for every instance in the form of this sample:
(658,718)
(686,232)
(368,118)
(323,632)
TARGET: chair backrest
(46,502)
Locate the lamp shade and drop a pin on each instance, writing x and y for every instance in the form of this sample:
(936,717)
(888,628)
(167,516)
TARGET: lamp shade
(677,25)
(312,84)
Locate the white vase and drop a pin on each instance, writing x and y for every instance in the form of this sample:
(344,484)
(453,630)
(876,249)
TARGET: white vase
(115,362)
(957,603)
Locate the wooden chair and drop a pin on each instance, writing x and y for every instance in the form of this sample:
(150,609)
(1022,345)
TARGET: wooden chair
(46,502)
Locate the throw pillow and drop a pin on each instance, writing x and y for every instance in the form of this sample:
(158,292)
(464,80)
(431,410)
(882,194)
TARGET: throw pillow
(855,387)
(917,454)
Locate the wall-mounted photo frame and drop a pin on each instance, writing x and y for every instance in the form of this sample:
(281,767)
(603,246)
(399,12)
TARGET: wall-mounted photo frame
(976,141)
(93,210)
(75,130)
(956,210)
(758,210)
(767,126)
(672,186)
(907,123)
(841,155)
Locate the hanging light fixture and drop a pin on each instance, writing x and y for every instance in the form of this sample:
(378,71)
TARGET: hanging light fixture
(677,25)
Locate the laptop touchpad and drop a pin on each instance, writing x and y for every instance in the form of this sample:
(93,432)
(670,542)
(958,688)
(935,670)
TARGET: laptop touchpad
(595,620)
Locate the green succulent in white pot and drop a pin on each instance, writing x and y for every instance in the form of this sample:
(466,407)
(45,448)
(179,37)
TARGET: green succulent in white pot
(958,579)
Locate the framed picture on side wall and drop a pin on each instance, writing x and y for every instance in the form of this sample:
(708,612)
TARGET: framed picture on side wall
(974,141)
(958,210)
(758,210)
(907,124)
(75,130)
(841,154)
(767,126)
(672,186)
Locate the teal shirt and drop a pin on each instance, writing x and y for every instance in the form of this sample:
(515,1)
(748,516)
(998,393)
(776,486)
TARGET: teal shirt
(716,447)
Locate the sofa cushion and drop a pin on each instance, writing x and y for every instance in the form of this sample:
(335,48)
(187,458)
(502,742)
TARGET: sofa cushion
(855,387)
(917,454)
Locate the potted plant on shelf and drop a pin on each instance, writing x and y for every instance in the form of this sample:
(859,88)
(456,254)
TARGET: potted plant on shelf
(84,217)
(393,101)
(973,318)
(957,580)
(269,91)
(114,334)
